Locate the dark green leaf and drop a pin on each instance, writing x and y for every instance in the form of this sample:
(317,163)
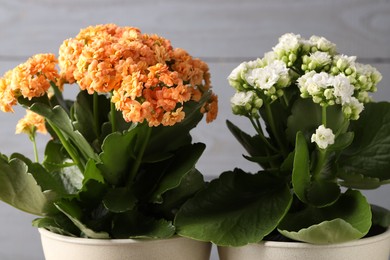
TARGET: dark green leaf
(301,171)
(73,212)
(117,155)
(306,117)
(119,200)
(369,153)
(182,163)
(380,216)
(172,200)
(235,209)
(132,224)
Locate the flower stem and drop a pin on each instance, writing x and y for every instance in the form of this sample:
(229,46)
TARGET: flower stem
(273,128)
(68,147)
(113,120)
(140,155)
(324,116)
(261,135)
(96,113)
(33,140)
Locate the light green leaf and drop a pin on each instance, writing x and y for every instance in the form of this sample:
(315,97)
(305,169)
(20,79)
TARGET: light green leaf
(347,219)
(236,209)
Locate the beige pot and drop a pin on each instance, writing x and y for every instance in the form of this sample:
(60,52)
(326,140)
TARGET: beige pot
(372,248)
(58,247)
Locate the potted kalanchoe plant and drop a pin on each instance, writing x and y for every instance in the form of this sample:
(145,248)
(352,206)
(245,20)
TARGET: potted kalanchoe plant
(319,139)
(121,160)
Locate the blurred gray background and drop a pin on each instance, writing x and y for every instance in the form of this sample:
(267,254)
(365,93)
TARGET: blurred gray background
(221,32)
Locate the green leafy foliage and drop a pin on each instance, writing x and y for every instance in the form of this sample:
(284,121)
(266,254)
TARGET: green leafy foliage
(349,218)
(101,184)
(232,209)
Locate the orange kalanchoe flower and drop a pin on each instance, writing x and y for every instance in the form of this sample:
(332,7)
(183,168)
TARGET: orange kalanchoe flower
(7,96)
(147,78)
(31,123)
(30,79)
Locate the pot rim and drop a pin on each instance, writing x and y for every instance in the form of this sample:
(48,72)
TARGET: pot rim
(89,241)
(368,240)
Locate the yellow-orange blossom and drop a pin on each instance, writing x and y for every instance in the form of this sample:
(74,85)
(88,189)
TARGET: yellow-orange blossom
(147,78)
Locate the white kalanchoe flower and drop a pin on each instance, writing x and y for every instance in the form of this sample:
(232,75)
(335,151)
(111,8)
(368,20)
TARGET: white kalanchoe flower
(323,137)
(272,75)
(313,83)
(352,109)
(319,59)
(238,74)
(343,90)
(323,44)
(343,64)
(241,98)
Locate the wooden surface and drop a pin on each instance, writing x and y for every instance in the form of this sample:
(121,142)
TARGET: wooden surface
(221,32)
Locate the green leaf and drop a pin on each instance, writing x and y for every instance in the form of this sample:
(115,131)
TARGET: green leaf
(59,224)
(73,212)
(58,117)
(117,155)
(132,224)
(92,172)
(316,192)
(301,171)
(19,188)
(84,116)
(173,199)
(236,209)
(369,153)
(347,219)
(62,168)
(46,180)
(182,163)
(253,145)
(380,216)
(119,200)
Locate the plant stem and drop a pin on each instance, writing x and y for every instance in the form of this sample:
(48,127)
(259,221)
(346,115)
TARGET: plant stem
(324,115)
(140,154)
(68,147)
(273,128)
(96,113)
(113,120)
(33,140)
(261,135)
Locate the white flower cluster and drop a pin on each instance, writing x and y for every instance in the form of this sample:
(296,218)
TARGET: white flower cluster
(315,67)
(246,103)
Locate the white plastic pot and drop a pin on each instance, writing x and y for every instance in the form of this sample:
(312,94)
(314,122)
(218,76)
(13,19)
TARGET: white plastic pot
(374,248)
(58,247)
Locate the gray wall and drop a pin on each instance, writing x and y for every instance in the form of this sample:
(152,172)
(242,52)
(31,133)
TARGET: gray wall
(223,33)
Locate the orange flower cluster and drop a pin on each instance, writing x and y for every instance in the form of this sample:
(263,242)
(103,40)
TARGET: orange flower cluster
(29,79)
(148,79)
(31,123)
